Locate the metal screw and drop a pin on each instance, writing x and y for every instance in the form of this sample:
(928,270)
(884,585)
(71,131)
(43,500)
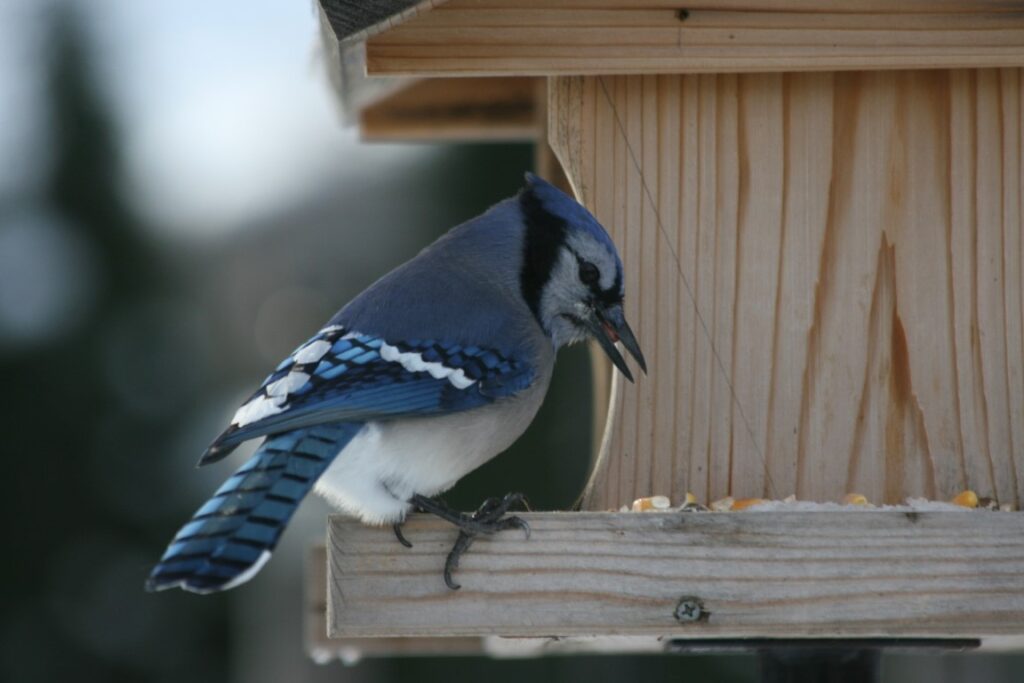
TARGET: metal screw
(683,14)
(690,608)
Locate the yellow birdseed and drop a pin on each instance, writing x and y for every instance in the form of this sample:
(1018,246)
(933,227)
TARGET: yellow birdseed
(855,499)
(722,504)
(651,503)
(744,503)
(967,499)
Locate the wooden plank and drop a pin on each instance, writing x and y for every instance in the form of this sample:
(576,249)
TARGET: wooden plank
(323,649)
(502,108)
(755,574)
(849,280)
(561,37)
(823,6)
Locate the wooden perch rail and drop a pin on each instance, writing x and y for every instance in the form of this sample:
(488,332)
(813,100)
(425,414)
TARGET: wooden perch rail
(323,649)
(757,574)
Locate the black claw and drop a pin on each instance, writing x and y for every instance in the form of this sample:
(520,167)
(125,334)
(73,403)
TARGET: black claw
(451,563)
(397,528)
(518,523)
(489,518)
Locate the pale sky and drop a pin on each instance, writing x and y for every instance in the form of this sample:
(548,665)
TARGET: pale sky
(225,105)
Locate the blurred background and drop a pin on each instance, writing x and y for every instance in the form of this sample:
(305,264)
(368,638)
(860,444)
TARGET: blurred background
(179,208)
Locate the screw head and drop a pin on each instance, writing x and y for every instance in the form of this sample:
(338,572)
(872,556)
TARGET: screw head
(689,609)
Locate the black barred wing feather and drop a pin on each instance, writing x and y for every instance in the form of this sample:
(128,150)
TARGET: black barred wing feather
(346,376)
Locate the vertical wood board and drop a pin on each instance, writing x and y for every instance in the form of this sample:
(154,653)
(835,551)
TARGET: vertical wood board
(825,271)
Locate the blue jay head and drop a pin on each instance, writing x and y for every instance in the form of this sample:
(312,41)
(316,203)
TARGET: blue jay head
(572,275)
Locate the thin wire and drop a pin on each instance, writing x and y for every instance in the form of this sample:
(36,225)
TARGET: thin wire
(686,283)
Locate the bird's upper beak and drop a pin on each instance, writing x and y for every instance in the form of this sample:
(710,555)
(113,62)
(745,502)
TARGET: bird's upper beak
(608,325)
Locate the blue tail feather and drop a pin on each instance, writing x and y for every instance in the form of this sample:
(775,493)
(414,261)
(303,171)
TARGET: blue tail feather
(232,535)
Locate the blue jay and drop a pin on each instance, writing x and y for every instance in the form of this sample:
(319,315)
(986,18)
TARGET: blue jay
(432,371)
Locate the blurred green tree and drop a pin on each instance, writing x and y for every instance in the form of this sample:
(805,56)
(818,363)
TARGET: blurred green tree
(73,604)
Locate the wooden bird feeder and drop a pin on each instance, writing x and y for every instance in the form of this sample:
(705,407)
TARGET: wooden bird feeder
(818,205)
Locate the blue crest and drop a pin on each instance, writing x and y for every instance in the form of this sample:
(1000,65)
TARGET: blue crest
(575,214)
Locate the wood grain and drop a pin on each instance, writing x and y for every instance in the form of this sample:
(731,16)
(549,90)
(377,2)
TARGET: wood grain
(503,108)
(825,271)
(775,574)
(323,649)
(563,37)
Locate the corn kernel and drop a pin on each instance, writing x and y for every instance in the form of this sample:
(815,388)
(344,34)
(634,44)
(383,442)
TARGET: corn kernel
(744,503)
(722,504)
(967,499)
(690,499)
(790,499)
(1006,507)
(855,499)
(651,503)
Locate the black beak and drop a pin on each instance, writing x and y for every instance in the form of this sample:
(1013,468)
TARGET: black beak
(608,325)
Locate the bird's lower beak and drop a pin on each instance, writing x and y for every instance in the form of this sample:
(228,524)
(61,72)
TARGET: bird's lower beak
(608,325)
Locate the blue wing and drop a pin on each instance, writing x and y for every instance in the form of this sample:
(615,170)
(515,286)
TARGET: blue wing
(343,376)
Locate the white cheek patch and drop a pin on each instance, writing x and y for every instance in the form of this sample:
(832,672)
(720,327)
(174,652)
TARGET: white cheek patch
(563,289)
(258,408)
(413,362)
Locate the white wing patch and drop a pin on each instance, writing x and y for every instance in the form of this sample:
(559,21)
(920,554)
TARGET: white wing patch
(312,352)
(413,362)
(287,384)
(258,408)
(273,399)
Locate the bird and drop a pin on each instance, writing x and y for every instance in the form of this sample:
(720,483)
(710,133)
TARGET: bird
(434,369)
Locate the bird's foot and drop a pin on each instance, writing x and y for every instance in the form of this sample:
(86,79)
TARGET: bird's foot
(488,519)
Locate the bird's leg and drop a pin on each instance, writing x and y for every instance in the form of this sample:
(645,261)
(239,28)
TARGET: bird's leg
(396,527)
(488,519)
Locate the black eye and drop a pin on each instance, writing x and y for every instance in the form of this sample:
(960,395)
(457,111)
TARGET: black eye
(589,274)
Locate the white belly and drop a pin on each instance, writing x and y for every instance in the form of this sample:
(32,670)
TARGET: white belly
(376,474)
